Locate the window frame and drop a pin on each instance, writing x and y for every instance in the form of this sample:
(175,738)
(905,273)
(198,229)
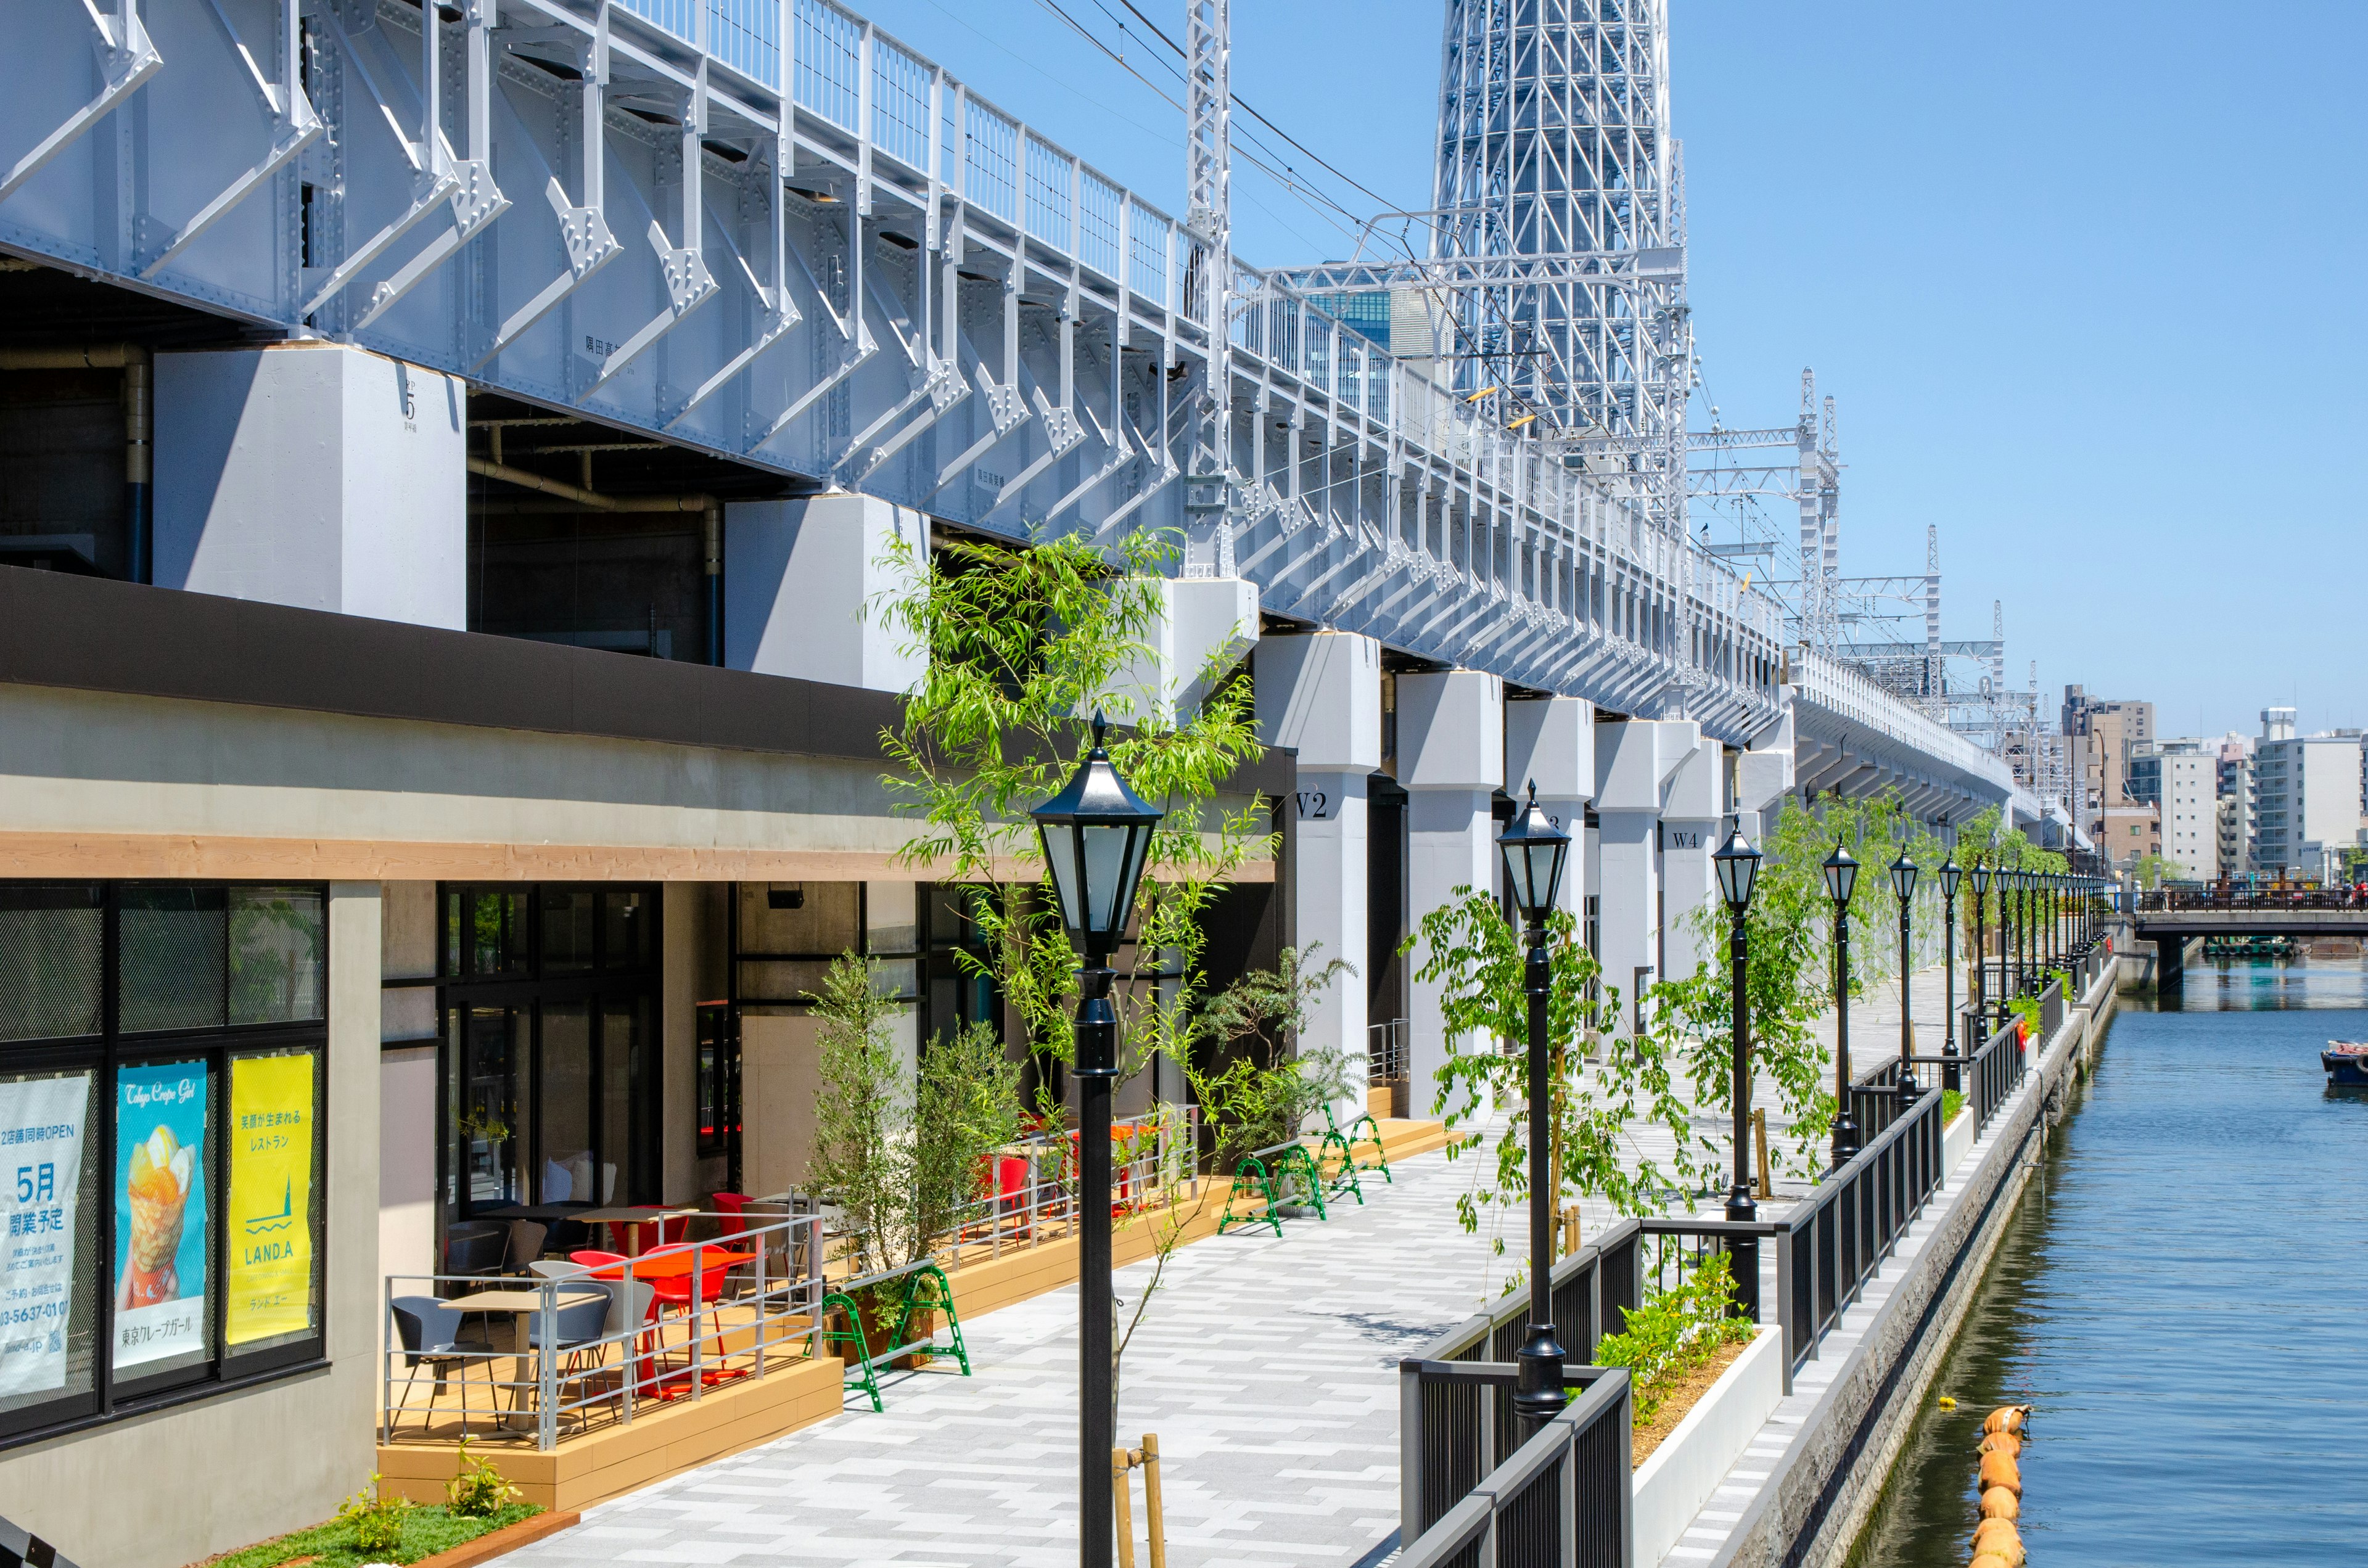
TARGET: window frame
(105,1056)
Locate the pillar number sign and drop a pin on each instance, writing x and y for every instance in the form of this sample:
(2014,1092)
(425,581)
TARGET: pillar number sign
(269,1225)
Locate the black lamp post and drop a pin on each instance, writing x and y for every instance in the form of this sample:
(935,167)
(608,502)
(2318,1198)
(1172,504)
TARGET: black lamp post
(1981,942)
(1841,876)
(1096,833)
(1949,874)
(1738,864)
(1534,850)
(1902,883)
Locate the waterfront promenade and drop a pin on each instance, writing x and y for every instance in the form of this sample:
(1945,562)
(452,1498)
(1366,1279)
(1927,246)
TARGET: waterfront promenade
(1269,1368)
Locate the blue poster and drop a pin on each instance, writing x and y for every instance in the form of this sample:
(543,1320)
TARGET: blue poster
(40,1189)
(160,1213)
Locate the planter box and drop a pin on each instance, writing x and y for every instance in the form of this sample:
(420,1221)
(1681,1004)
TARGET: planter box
(1670,1487)
(1957,1140)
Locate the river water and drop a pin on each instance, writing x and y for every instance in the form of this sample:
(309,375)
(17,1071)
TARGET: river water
(2182,1293)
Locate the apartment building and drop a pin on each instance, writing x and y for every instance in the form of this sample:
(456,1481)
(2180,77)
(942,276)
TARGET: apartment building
(2311,803)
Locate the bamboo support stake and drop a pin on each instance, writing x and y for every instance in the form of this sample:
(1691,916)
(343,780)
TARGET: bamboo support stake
(1123,1495)
(1146,1458)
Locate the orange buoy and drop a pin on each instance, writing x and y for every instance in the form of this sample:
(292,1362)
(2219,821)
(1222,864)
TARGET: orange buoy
(2006,1418)
(1997,1503)
(1988,1559)
(2000,1471)
(1998,1539)
(2001,1443)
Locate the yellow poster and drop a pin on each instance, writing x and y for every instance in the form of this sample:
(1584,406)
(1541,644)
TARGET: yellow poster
(270,1218)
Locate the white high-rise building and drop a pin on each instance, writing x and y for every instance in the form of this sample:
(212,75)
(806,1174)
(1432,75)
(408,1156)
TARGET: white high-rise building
(2183,778)
(2309,799)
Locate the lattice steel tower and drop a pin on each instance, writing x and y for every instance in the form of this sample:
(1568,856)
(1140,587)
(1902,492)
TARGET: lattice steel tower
(1560,193)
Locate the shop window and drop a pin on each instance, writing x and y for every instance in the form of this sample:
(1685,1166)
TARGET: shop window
(550,1076)
(160,1168)
(50,968)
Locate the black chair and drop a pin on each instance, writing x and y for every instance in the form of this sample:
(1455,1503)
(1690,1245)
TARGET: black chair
(430,1330)
(525,1246)
(475,1248)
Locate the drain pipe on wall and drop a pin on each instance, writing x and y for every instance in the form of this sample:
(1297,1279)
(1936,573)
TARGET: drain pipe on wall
(711,508)
(139,427)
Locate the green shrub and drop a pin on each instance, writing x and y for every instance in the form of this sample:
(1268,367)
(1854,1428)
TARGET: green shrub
(375,1518)
(1952,1102)
(1676,1331)
(477,1490)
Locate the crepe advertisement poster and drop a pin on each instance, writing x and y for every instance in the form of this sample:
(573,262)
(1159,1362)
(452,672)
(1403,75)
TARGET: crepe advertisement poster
(40,1189)
(160,1213)
(269,1217)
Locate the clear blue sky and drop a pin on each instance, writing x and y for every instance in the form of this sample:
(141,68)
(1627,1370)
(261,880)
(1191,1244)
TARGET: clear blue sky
(2086,278)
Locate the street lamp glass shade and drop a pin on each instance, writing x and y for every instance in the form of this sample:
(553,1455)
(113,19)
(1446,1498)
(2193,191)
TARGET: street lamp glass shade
(1981,879)
(1534,850)
(1841,874)
(1903,876)
(1096,832)
(1950,873)
(1738,869)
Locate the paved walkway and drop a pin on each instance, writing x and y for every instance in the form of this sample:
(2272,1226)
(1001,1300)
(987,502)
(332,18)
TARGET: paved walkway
(1268,1367)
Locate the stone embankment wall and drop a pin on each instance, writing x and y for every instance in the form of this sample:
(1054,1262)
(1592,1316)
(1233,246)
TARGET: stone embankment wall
(1833,1473)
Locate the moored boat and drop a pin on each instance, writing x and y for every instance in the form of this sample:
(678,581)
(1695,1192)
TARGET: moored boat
(2346,1062)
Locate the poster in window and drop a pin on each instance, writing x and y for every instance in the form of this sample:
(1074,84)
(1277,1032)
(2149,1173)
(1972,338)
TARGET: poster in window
(41,1164)
(160,1213)
(268,1220)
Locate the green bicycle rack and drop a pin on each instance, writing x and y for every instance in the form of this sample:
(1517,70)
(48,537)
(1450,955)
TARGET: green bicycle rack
(1251,1180)
(1344,1177)
(1371,1134)
(921,1287)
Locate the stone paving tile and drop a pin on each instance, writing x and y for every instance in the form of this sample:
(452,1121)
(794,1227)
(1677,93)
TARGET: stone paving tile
(1268,1367)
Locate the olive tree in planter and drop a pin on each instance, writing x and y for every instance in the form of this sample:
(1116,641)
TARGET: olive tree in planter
(898,1158)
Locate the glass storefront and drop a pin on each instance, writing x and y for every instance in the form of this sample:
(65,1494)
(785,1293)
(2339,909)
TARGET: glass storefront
(162,1079)
(549,1071)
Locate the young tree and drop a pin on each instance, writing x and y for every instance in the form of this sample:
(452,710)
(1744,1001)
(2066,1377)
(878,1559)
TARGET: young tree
(1604,1114)
(1023,645)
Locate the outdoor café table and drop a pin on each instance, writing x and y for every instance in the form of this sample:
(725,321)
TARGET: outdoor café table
(631,1221)
(666,1270)
(522,1305)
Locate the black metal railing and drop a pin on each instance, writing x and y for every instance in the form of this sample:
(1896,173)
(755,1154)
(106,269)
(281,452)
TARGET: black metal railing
(2238,896)
(1456,1412)
(1832,1242)
(1561,1500)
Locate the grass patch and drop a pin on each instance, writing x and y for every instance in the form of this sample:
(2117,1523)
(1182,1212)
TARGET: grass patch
(426,1531)
(1952,1102)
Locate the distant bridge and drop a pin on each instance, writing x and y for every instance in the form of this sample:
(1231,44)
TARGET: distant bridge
(2171,920)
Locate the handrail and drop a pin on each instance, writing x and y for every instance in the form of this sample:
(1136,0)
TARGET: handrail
(1452,1426)
(1580,1460)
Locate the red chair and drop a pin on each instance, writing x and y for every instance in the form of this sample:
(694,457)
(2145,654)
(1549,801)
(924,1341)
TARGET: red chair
(733,1208)
(670,1232)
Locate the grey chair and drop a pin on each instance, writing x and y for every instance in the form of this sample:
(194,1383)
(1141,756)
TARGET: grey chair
(575,1325)
(430,1332)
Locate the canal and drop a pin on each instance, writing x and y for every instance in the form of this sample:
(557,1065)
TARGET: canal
(2181,1294)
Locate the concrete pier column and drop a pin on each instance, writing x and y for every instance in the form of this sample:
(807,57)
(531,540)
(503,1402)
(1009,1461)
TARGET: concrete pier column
(1693,811)
(1452,761)
(1634,760)
(1320,693)
(1550,742)
(798,580)
(316,475)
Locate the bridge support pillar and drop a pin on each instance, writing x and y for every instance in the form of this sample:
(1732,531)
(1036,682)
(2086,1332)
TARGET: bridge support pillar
(1693,811)
(1635,760)
(1550,742)
(799,579)
(1452,761)
(316,475)
(1321,694)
